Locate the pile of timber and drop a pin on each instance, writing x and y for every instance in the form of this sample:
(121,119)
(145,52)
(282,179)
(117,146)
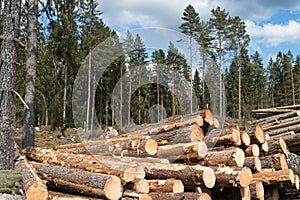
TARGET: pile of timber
(183,157)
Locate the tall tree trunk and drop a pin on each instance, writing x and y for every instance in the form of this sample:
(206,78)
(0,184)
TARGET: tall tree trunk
(173,91)
(31,62)
(8,70)
(240,94)
(203,82)
(221,76)
(121,98)
(89,93)
(191,71)
(157,88)
(129,99)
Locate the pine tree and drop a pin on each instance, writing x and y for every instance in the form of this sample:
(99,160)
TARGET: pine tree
(231,84)
(204,41)
(239,39)
(189,27)
(219,24)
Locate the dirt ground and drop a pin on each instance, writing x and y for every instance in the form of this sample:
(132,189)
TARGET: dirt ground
(45,137)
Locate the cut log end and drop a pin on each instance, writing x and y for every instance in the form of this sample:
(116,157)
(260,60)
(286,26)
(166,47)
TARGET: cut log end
(36,192)
(284,147)
(113,188)
(209,177)
(252,150)
(199,120)
(239,157)
(296,182)
(151,146)
(133,173)
(202,149)
(265,147)
(245,138)
(209,118)
(259,134)
(245,177)
(176,186)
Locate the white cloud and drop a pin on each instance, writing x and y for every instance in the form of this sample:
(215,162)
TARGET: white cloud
(274,34)
(167,14)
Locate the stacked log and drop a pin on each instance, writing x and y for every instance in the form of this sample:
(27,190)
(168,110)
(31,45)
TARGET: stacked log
(183,157)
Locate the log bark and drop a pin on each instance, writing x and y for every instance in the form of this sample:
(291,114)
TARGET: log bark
(226,136)
(231,157)
(191,176)
(11,182)
(276,118)
(275,161)
(292,140)
(274,177)
(232,177)
(175,196)
(271,194)
(253,163)
(276,146)
(34,187)
(245,193)
(281,124)
(294,128)
(170,186)
(183,151)
(80,181)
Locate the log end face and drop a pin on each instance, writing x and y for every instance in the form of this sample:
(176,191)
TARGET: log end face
(245,138)
(205,196)
(209,118)
(259,134)
(202,149)
(142,186)
(259,190)
(151,146)
(133,173)
(178,186)
(113,188)
(255,150)
(37,191)
(257,164)
(296,182)
(239,157)
(199,120)
(209,177)
(245,177)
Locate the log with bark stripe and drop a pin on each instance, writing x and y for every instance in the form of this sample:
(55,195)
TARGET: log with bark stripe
(80,181)
(34,187)
(175,196)
(170,185)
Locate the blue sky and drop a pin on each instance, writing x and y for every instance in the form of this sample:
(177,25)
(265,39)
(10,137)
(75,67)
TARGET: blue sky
(273,25)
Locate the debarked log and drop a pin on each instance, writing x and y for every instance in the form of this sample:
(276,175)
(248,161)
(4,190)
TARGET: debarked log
(80,181)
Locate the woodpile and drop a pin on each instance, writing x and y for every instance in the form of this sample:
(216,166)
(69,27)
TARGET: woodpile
(183,157)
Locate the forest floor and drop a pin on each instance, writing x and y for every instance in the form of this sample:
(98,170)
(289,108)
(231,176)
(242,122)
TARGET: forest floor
(45,137)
